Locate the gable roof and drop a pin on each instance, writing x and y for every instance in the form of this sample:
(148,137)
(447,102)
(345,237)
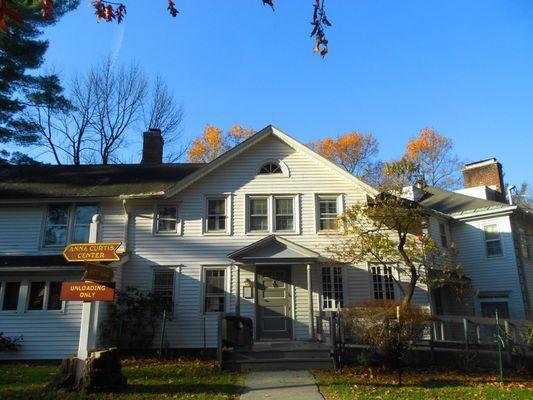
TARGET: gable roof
(457,204)
(83,181)
(270,130)
(274,248)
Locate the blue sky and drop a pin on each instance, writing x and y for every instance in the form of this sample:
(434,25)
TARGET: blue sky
(462,67)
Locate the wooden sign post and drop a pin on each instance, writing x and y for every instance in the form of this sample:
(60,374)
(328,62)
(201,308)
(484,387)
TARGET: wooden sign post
(93,290)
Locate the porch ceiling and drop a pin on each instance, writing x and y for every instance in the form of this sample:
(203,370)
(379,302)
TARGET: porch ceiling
(274,249)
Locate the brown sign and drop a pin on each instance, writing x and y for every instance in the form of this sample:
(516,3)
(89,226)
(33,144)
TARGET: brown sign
(87,291)
(96,272)
(81,252)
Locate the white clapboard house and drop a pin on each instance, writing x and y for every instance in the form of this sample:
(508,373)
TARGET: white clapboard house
(246,232)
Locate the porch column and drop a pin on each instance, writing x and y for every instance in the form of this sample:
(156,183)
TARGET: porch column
(238,288)
(311,309)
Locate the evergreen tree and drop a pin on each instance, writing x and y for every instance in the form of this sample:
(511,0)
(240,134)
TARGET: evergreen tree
(21,55)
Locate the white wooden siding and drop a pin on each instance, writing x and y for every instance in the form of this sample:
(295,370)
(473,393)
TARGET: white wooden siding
(497,273)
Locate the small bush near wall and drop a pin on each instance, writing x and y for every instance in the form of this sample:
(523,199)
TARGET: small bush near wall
(375,324)
(9,343)
(132,320)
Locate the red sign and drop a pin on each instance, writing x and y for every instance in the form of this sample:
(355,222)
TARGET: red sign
(87,291)
(80,252)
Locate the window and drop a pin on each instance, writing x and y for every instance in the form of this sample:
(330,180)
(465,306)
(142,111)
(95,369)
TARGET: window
(270,168)
(443,237)
(327,213)
(68,224)
(11,296)
(214,290)
(167,219)
(56,230)
(272,213)
(44,295)
(492,240)
(259,214)
(284,214)
(332,290)
(383,283)
(164,287)
(523,240)
(216,215)
(489,308)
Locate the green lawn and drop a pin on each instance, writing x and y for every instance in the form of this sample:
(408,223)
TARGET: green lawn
(147,379)
(420,384)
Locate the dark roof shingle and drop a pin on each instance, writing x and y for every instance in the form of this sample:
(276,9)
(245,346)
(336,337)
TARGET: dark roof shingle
(73,181)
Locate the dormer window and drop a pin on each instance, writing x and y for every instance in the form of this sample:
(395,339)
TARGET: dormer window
(270,168)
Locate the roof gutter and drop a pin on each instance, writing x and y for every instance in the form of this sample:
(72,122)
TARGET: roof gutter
(126,226)
(475,215)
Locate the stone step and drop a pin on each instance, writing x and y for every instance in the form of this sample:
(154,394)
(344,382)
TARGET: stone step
(274,364)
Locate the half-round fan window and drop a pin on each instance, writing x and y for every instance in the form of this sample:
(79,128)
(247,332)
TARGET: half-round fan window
(270,168)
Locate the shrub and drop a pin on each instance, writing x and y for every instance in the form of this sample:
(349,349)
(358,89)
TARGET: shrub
(132,320)
(375,324)
(8,343)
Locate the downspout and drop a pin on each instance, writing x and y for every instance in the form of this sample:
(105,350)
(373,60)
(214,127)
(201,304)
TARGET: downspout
(126,226)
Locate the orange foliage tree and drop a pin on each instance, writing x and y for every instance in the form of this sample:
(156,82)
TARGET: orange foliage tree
(353,151)
(110,11)
(433,153)
(213,142)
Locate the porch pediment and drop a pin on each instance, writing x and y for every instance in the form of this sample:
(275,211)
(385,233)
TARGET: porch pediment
(274,249)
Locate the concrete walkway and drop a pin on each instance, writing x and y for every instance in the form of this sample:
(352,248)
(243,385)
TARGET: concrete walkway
(281,385)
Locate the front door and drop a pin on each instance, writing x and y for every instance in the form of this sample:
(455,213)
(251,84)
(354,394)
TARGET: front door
(274,302)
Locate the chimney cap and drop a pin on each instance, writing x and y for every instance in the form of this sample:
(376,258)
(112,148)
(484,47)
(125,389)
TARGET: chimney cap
(480,163)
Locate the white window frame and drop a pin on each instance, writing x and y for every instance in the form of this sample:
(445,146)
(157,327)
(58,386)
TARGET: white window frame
(271,212)
(249,213)
(71,223)
(443,235)
(46,297)
(175,271)
(331,284)
(340,209)
(372,290)
(285,172)
(155,229)
(227,286)
(228,210)
(485,241)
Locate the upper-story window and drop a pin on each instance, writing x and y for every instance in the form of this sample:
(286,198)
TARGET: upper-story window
(166,219)
(328,211)
(216,220)
(492,240)
(270,168)
(272,213)
(67,224)
(443,237)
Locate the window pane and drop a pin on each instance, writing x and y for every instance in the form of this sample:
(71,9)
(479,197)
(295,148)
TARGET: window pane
(167,212)
(167,217)
(84,214)
(217,206)
(328,206)
(11,296)
(214,281)
(53,297)
(284,223)
(284,206)
(270,168)
(216,223)
(258,206)
(55,236)
(488,309)
(58,215)
(491,232)
(443,237)
(328,224)
(214,304)
(164,287)
(258,223)
(36,299)
(494,248)
(81,234)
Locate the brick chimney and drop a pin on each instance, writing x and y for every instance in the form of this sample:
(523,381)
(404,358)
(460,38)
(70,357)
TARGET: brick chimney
(152,147)
(485,173)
